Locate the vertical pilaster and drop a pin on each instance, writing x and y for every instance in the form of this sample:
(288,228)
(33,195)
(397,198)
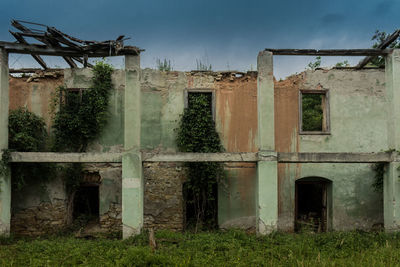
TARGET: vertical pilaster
(132,176)
(391,184)
(5,179)
(267,179)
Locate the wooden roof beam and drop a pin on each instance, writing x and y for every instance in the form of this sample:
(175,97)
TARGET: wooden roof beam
(35,49)
(383,45)
(329,52)
(23,41)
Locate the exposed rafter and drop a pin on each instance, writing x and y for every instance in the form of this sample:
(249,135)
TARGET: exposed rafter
(56,43)
(382,46)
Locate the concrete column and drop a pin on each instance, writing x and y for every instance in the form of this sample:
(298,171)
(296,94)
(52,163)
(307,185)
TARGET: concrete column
(391,197)
(132,176)
(5,179)
(267,179)
(392,84)
(391,183)
(265,101)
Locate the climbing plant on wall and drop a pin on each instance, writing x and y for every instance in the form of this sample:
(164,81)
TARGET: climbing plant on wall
(81,117)
(197,133)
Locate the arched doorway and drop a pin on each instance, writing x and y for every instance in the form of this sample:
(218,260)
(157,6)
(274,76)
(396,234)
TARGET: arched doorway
(313,204)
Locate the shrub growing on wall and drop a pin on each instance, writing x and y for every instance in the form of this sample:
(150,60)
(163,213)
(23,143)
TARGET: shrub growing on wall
(27,133)
(196,133)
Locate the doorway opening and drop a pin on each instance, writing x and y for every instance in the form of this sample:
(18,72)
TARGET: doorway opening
(313,200)
(86,203)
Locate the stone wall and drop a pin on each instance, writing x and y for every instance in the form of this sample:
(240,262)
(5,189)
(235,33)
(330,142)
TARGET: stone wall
(163,199)
(43,219)
(111,221)
(39,209)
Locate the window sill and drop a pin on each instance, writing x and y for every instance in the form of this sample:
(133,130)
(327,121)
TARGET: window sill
(315,133)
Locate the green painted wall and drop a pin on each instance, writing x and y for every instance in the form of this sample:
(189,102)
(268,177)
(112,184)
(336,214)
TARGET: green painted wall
(236,199)
(358,116)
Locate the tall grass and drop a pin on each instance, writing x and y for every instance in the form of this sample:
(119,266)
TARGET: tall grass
(232,248)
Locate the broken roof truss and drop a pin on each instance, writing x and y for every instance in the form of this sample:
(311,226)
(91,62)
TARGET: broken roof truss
(56,43)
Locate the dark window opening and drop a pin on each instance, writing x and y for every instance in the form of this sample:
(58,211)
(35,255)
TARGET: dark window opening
(86,203)
(192,95)
(71,96)
(311,206)
(210,211)
(314,111)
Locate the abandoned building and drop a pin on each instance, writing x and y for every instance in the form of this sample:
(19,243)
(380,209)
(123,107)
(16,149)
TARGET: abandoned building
(279,172)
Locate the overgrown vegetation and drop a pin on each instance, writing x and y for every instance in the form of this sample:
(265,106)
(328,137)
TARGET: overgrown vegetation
(316,64)
(232,248)
(196,133)
(312,112)
(164,65)
(343,64)
(81,117)
(200,65)
(27,133)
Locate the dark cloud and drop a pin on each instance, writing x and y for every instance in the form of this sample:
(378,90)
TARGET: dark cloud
(331,19)
(384,7)
(226,30)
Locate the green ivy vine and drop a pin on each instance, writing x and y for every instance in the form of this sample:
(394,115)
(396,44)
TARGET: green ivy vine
(197,133)
(80,119)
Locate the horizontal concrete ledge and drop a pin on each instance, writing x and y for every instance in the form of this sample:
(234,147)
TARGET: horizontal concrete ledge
(201,157)
(281,157)
(52,157)
(336,157)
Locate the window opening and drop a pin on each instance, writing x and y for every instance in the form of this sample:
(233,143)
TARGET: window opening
(314,112)
(192,93)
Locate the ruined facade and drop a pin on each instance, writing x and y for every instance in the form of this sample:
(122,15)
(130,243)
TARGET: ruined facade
(272,164)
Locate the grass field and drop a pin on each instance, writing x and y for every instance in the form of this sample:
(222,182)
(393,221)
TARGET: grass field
(232,248)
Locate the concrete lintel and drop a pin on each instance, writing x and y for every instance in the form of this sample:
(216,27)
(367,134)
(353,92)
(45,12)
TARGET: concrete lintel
(200,157)
(52,157)
(282,157)
(335,157)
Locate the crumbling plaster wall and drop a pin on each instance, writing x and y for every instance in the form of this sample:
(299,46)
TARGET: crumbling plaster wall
(358,116)
(35,94)
(162,104)
(38,208)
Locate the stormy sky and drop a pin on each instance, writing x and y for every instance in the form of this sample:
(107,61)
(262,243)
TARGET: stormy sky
(226,34)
